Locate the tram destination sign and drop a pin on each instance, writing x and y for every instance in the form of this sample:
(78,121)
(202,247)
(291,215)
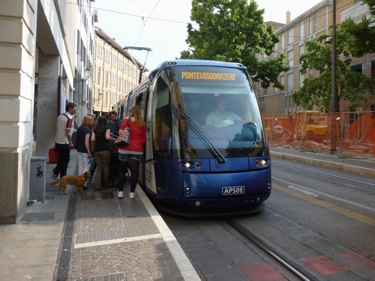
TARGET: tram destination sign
(198,75)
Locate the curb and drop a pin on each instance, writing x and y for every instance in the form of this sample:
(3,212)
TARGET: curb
(327,164)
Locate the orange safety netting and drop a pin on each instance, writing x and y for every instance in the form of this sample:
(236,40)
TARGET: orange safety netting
(359,136)
(340,132)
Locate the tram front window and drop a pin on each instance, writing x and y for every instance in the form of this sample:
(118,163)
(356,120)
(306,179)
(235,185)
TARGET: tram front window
(225,110)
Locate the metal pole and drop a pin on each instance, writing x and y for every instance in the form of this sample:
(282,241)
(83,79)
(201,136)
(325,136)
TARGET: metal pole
(333,93)
(141,68)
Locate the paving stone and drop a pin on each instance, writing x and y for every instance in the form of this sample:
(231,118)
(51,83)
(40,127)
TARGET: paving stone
(103,220)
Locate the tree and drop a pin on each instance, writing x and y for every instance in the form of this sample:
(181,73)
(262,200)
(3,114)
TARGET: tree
(234,31)
(360,36)
(317,63)
(371,4)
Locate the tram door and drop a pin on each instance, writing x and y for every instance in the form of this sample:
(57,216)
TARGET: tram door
(148,166)
(159,131)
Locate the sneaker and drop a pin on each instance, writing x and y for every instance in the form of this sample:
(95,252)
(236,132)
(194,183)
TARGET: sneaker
(131,195)
(120,194)
(54,177)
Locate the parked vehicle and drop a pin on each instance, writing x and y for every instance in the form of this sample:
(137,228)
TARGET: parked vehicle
(311,125)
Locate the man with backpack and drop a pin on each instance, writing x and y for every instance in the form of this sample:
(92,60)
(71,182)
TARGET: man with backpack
(63,141)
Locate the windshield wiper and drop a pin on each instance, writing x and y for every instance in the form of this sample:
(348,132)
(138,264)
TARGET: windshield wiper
(211,148)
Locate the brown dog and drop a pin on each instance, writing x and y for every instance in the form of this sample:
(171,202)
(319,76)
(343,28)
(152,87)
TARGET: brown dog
(78,181)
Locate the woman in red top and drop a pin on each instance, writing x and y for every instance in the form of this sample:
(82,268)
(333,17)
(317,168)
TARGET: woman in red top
(131,155)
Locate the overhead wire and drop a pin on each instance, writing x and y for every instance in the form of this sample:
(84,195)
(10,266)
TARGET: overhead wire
(144,22)
(131,15)
(181,22)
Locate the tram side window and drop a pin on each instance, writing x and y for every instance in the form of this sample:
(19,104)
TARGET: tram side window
(162,122)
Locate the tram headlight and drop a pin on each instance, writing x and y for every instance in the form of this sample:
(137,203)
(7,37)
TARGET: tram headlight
(261,162)
(190,165)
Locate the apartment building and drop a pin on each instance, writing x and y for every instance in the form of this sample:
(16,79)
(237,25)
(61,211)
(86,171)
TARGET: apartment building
(85,19)
(365,64)
(40,72)
(293,35)
(116,72)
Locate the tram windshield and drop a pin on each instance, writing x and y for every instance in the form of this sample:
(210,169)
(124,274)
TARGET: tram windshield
(222,104)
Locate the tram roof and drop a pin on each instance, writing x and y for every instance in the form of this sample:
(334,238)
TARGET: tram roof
(182,62)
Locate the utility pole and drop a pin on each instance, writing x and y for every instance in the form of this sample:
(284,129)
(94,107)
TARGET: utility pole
(141,68)
(333,92)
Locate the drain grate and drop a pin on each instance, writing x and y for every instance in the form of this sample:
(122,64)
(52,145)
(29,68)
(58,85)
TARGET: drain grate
(97,196)
(65,251)
(112,277)
(107,195)
(38,216)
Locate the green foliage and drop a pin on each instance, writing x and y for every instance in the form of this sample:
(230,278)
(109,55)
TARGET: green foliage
(360,36)
(351,85)
(234,31)
(371,4)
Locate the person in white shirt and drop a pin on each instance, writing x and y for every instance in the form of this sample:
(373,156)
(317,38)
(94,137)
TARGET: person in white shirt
(221,117)
(63,141)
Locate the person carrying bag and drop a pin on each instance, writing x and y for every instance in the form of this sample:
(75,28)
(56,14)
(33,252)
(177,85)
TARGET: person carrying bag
(124,138)
(130,153)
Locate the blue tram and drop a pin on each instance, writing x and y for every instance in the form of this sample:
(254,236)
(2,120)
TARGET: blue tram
(201,158)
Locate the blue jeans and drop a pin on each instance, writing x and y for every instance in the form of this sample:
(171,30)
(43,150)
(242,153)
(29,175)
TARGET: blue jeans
(93,165)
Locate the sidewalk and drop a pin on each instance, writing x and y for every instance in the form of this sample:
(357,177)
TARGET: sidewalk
(91,237)
(98,237)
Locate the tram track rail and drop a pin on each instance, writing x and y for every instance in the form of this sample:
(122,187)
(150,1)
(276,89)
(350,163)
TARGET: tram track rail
(279,257)
(332,175)
(314,192)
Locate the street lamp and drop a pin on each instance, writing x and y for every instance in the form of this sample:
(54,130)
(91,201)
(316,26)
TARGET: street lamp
(333,91)
(141,68)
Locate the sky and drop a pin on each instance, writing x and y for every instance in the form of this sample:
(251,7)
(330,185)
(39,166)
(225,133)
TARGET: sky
(161,24)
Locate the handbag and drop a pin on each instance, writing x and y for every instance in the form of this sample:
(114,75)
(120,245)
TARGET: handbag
(124,138)
(53,155)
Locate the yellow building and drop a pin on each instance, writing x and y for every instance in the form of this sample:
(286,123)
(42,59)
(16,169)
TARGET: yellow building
(116,72)
(293,35)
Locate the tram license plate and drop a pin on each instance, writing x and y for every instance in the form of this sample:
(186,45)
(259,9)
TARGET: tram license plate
(232,190)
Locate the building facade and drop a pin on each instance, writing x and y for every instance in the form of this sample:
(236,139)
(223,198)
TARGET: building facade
(115,73)
(293,36)
(365,64)
(85,19)
(38,68)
